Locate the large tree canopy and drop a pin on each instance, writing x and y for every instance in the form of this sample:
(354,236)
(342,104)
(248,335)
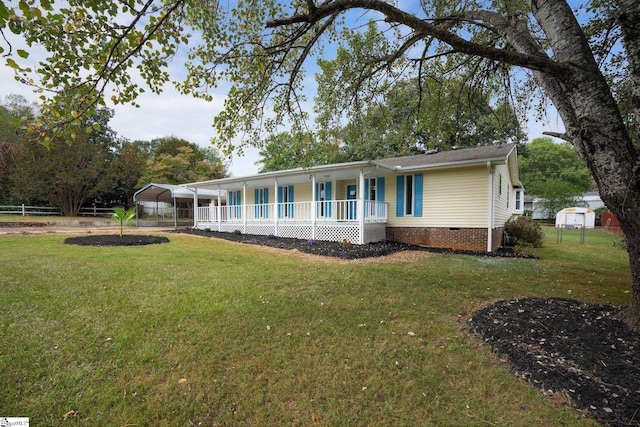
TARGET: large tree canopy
(589,71)
(553,172)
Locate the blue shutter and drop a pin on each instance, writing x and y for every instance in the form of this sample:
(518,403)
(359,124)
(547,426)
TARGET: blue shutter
(238,204)
(417,198)
(279,202)
(367,205)
(400,195)
(380,189)
(290,206)
(265,208)
(380,195)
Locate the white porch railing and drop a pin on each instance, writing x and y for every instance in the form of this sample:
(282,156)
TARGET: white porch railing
(335,220)
(325,211)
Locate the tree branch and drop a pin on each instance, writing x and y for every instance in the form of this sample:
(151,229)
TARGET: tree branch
(534,60)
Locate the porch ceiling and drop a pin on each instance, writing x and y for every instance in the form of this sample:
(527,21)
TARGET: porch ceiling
(166,193)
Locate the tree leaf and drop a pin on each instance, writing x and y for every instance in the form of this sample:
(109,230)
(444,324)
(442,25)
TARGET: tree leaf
(4,12)
(13,64)
(22,53)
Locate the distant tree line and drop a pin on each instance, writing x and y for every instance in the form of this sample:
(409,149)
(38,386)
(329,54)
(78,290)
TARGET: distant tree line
(99,168)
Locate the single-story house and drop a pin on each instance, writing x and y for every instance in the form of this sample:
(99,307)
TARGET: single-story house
(456,199)
(533,206)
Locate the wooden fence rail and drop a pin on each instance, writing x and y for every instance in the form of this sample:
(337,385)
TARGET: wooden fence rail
(25,210)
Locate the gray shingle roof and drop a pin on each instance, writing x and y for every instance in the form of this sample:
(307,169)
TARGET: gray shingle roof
(467,155)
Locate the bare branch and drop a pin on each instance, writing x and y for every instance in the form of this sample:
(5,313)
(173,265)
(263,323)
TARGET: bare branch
(562,136)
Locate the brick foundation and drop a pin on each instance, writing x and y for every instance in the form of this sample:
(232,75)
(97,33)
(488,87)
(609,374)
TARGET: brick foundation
(474,239)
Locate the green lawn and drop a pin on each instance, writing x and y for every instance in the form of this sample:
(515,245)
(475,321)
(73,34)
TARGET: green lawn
(217,333)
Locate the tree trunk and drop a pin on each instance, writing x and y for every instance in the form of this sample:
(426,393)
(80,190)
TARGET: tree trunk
(595,127)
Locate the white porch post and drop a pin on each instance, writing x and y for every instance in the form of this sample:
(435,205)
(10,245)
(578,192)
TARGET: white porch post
(313,207)
(491,208)
(276,207)
(195,208)
(219,210)
(360,208)
(175,214)
(244,208)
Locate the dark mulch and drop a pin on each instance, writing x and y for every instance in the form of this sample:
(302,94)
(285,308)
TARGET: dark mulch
(115,240)
(334,249)
(566,346)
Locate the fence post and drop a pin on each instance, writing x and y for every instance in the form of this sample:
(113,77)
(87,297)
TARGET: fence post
(23,211)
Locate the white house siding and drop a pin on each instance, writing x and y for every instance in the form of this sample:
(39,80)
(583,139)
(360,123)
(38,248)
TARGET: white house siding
(451,198)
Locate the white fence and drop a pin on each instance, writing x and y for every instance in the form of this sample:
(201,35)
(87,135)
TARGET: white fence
(25,210)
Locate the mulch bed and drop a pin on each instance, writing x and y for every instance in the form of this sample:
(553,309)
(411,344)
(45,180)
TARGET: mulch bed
(115,240)
(569,347)
(334,249)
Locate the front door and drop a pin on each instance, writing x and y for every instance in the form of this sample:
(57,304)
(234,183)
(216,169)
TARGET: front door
(352,205)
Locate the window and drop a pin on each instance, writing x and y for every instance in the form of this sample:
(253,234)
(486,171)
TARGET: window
(285,202)
(518,200)
(234,200)
(285,197)
(323,197)
(409,195)
(261,201)
(374,192)
(372,189)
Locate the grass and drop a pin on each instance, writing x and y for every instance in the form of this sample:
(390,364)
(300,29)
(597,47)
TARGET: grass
(206,332)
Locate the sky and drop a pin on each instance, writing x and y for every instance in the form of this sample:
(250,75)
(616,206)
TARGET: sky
(174,114)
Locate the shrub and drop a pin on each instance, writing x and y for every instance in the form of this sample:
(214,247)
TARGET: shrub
(522,231)
(237,232)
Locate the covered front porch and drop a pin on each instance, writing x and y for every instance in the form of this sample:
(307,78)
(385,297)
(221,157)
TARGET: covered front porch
(338,203)
(336,220)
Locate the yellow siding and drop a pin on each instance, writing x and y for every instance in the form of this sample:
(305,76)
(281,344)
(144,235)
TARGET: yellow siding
(503,198)
(451,198)
(302,192)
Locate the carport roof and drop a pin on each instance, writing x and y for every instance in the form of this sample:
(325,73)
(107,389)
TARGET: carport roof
(167,192)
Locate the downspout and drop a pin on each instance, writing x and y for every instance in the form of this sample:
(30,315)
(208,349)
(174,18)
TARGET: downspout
(491,208)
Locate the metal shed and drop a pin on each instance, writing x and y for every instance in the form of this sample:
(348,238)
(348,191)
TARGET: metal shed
(174,194)
(575,217)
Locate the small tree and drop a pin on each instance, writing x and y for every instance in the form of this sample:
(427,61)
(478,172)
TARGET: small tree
(121,216)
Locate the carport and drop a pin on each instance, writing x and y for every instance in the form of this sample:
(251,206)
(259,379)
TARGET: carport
(172,194)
